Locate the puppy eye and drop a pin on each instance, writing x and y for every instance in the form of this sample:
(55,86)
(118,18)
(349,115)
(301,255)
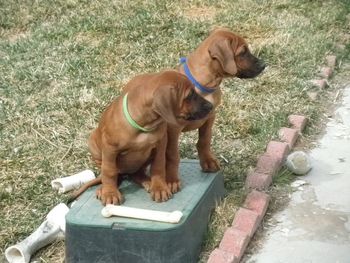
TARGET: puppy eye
(190,94)
(243,51)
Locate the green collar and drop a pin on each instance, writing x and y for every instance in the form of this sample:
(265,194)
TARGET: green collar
(128,116)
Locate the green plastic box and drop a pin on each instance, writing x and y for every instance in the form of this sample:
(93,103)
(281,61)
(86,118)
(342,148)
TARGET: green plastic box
(92,238)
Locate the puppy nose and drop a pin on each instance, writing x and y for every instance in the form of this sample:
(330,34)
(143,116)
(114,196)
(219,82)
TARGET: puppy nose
(208,106)
(262,64)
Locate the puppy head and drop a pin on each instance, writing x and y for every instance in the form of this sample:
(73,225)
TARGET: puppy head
(231,56)
(176,101)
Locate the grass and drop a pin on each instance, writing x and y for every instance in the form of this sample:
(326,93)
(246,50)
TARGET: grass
(62,62)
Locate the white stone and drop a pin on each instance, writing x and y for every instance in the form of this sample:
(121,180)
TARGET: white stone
(298,162)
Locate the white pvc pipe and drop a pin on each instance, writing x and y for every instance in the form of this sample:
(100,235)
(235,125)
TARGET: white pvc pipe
(68,183)
(146,214)
(53,228)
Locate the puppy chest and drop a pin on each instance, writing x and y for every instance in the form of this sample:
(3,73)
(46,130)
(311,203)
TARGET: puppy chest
(139,144)
(146,140)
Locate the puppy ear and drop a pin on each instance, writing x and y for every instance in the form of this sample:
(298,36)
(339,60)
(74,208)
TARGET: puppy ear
(222,51)
(165,103)
(217,28)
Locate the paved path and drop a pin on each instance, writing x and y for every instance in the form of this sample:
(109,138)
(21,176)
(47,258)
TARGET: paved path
(315,226)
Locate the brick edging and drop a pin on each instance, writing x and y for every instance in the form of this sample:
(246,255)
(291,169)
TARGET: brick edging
(248,218)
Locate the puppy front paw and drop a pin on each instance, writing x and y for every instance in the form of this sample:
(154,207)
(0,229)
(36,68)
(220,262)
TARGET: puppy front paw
(109,195)
(159,190)
(173,180)
(174,185)
(210,164)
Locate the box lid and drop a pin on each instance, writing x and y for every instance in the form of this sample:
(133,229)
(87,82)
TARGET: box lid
(195,184)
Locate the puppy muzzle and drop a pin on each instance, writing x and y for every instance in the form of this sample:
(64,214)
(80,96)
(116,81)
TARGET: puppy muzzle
(253,71)
(204,109)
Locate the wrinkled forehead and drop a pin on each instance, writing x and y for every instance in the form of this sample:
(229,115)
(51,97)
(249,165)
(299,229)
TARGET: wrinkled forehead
(170,77)
(237,40)
(175,80)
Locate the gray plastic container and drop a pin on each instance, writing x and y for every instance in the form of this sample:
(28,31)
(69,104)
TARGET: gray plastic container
(93,238)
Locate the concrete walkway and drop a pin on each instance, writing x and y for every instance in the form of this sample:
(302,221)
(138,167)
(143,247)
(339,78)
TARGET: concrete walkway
(315,225)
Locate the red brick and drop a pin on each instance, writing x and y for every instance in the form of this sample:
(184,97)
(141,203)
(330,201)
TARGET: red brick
(267,165)
(247,221)
(258,180)
(277,150)
(257,201)
(331,61)
(234,241)
(326,72)
(320,83)
(220,256)
(289,136)
(297,122)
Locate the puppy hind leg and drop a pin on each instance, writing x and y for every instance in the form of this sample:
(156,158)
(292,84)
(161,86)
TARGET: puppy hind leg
(96,154)
(141,178)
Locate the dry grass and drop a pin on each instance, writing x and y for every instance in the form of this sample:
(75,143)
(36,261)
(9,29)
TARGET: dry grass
(200,13)
(62,62)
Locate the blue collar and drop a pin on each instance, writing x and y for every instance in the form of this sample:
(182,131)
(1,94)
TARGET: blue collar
(183,61)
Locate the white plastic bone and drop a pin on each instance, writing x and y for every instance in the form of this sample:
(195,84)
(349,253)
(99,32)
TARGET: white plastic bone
(68,183)
(53,228)
(123,211)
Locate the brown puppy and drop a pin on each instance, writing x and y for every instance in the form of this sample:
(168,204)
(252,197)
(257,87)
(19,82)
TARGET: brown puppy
(120,147)
(223,54)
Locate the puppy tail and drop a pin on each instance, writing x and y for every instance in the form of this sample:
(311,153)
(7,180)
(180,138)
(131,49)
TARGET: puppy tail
(83,188)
